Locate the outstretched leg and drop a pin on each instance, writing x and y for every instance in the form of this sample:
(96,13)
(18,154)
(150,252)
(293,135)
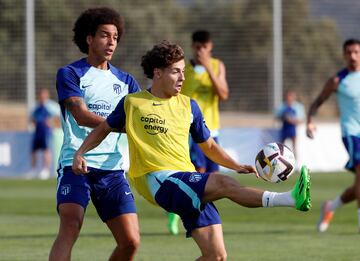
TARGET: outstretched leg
(220,186)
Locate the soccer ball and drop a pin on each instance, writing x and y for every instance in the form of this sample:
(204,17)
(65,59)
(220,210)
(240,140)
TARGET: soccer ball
(275,162)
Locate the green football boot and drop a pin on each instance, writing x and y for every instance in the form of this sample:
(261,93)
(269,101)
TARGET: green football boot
(173,223)
(301,191)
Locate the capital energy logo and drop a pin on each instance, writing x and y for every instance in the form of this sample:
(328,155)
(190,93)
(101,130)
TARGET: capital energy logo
(154,124)
(101,108)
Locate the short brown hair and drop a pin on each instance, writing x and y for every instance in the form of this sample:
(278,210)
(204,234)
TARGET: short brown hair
(161,56)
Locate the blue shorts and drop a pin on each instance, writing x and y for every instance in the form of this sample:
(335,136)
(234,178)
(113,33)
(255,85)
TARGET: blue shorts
(109,191)
(40,143)
(352,145)
(181,193)
(199,159)
(288,132)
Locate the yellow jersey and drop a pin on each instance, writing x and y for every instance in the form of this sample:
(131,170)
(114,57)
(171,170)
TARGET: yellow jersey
(158,134)
(198,86)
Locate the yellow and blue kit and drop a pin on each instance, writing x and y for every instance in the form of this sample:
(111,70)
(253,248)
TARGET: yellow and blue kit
(160,168)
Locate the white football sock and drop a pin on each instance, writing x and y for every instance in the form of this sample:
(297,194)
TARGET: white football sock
(275,199)
(336,203)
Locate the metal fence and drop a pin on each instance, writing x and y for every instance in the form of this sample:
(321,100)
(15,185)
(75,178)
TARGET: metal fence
(242,30)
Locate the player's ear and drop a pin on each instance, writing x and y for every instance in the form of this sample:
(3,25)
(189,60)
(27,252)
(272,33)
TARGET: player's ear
(89,39)
(157,73)
(210,46)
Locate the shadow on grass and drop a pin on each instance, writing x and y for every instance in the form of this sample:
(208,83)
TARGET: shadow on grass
(94,235)
(166,234)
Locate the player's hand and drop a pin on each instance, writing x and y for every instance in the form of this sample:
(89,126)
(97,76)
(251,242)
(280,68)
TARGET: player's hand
(203,57)
(310,130)
(79,165)
(247,169)
(290,119)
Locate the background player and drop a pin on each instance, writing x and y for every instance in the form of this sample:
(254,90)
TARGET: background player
(45,116)
(88,91)
(346,85)
(158,122)
(291,113)
(205,82)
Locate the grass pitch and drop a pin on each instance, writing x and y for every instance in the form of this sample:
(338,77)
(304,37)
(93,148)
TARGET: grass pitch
(29,223)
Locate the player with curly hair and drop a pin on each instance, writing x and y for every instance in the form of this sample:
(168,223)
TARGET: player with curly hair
(88,91)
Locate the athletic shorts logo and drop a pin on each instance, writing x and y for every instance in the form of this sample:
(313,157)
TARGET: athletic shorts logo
(154,124)
(156,104)
(65,189)
(195,177)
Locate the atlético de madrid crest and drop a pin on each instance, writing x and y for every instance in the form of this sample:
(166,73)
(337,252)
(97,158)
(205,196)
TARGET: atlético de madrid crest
(65,189)
(117,88)
(195,177)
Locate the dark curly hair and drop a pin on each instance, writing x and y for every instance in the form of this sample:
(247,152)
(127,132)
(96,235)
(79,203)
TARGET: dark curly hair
(161,56)
(88,23)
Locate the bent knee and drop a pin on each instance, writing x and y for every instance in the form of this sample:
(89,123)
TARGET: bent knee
(130,245)
(135,243)
(220,256)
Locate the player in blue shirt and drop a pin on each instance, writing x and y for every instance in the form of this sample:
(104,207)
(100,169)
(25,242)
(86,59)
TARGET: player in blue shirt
(346,85)
(88,90)
(44,117)
(291,113)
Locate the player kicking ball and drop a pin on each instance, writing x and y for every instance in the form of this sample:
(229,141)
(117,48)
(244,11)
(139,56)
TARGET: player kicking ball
(158,122)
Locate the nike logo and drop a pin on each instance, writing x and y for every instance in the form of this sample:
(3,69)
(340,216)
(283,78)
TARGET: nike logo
(157,104)
(86,86)
(127,192)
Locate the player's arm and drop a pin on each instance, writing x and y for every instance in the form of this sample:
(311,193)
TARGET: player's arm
(95,137)
(330,86)
(214,152)
(115,122)
(219,81)
(279,112)
(201,135)
(77,107)
(300,114)
(71,97)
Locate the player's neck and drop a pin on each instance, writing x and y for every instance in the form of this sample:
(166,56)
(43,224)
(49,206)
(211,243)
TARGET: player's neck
(355,69)
(158,92)
(99,64)
(194,62)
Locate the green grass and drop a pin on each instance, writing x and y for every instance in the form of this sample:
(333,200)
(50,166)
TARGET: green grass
(29,223)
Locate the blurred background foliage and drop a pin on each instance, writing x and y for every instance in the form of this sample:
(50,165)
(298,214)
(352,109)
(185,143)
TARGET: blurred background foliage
(241,30)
